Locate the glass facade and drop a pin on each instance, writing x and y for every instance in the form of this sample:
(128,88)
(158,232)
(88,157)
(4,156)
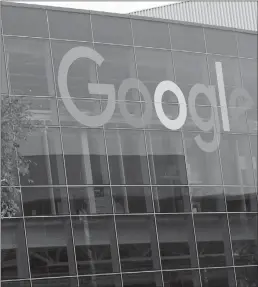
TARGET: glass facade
(117,206)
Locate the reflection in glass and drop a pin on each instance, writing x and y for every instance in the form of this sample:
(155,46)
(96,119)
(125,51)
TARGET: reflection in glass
(241,199)
(132,199)
(43,149)
(50,247)
(137,241)
(207,199)
(14,261)
(127,157)
(29,66)
(95,244)
(44,201)
(238,119)
(4,88)
(171,199)
(149,279)
(244,233)
(236,160)
(90,200)
(199,162)
(176,241)
(167,159)
(15,283)
(252,121)
(253,144)
(247,276)
(181,278)
(218,277)
(58,282)
(85,156)
(247,45)
(213,240)
(100,281)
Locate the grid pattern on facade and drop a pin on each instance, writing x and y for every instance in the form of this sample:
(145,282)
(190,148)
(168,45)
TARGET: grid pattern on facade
(118,206)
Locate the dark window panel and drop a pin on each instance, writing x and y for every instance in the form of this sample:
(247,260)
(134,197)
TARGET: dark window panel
(182,278)
(95,245)
(247,276)
(100,281)
(16,284)
(151,34)
(241,199)
(68,25)
(132,199)
(176,241)
(85,156)
(43,149)
(218,277)
(24,21)
(247,45)
(137,242)
(29,66)
(81,72)
(215,38)
(190,68)
(149,279)
(213,241)
(50,247)
(90,200)
(187,38)
(244,233)
(207,199)
(39,201)
(113,30)
(14,260)
(64,282)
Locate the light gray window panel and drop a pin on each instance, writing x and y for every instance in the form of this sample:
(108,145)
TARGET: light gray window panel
(247,45)
(252,121)
(186,37)
(151,34)
(68,25)
(253,142)
(4,89)
(230,68)
(190,68)
(114,30)
(29,66)
(23,21)
(221,42)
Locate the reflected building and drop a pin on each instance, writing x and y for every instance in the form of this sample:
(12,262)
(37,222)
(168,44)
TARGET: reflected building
(117,206)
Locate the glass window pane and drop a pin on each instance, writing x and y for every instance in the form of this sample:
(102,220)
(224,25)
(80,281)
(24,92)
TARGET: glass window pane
(29,66)
(187,38)
(111,30)
(230,68)
(176,241)
(236,160)
(24,21)
(241,199)
(100,281)
(213,240)
(68,25)
(55,282)
(15,284)
(190,68)
(247,276)
(140,251)
(237,119)
(182,278)
(218,277)
(214,38)
(134,199)
(90,200)
(252,121)
(43,149)
(127,157)
(253,142)
(207,199)
(14,260)
(95,244)
(171,199)
(81,72)
(244,235)
(151,34)
(44,201)
(4,89)
(50,247)
(247,45)
(167,158)
(85,156)
(198,162)
(149,279)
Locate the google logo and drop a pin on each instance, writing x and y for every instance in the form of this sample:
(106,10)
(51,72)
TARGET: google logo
(164,86)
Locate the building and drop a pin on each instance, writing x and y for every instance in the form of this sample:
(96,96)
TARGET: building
(116,205)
